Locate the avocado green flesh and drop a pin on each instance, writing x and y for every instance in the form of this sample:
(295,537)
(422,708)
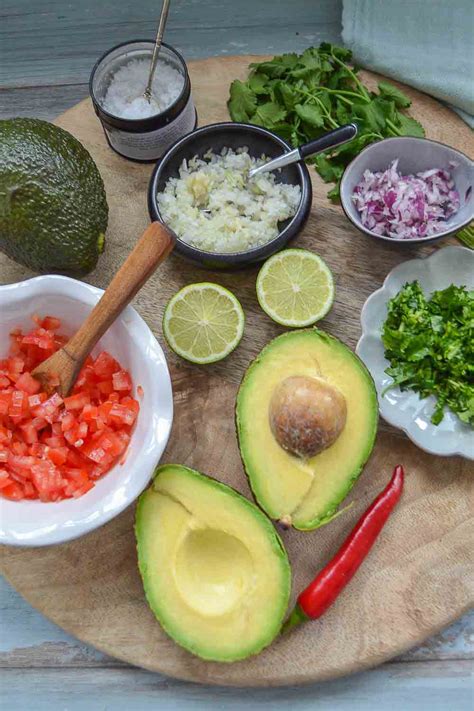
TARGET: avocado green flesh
(214,570)
(308,492)
(53,207)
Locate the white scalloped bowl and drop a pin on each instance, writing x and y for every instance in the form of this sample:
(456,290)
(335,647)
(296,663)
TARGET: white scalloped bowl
(406,410)
(33,523)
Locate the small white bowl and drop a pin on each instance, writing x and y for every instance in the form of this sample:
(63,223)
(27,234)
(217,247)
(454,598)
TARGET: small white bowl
(405,410)
(33,523)
(415,155)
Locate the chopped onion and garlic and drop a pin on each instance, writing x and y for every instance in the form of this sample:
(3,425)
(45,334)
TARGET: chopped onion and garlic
(213,205)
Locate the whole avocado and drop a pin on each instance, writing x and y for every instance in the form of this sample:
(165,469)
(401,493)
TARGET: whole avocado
(53,207)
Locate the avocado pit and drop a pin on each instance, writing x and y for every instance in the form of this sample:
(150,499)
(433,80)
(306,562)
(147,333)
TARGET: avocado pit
(306,415)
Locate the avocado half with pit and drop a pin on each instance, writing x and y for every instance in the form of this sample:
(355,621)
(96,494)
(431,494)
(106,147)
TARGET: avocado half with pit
(214,570)
(306,417)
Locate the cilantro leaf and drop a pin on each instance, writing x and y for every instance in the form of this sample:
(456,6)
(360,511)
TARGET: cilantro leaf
(268,114)
(311,114)
(389,91)
(329,171)
(258,83)
(409,126)
(242,102)
(284,95)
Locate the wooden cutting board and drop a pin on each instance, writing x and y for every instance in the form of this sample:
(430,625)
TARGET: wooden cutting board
(419,576)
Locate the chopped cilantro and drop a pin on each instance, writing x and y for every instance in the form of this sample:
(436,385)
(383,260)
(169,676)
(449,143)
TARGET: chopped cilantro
(430,346)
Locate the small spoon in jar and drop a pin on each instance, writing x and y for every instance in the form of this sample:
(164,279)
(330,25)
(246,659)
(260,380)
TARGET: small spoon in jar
(154,57)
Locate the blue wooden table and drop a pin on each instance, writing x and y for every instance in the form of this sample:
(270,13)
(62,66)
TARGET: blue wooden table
(46,51)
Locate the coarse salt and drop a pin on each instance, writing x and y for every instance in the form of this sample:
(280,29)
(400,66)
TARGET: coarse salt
(124,96)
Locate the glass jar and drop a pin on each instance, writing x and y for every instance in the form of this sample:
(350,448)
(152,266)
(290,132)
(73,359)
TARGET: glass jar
(144,139)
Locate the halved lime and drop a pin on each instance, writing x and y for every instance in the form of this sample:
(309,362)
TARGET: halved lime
(295,288)
(203,322)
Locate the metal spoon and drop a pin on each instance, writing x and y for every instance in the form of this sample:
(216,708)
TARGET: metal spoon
(156,49)
(329,140)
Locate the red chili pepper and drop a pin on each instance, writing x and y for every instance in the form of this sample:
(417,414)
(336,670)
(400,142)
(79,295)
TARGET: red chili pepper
(322,592)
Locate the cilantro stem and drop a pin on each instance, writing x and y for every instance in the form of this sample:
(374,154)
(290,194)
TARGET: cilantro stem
(342,93)
(314,97)
(392,126)
(329,118)
(362,89)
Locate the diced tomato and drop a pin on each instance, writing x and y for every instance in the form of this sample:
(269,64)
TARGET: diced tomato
(122,415)
(58,455)
(68,421)
(50,323)
(13,490)
(122,380)
(49,409)
(30,433)
(37,399)
(18,399)
(105,366)
(40,337)
(105,387)
(52,449)
(85,377)
(89,413)
(77,401)
(28,384)
(5,400)
(15,367)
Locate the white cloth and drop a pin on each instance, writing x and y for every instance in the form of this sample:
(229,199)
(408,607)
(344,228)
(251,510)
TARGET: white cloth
(428,44)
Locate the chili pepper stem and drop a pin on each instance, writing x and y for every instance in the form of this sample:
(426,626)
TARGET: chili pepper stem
(296,617)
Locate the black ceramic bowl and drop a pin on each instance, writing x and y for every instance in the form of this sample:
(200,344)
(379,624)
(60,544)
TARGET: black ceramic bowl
(232,135)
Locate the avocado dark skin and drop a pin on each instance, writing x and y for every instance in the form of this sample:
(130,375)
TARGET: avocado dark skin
(53,207)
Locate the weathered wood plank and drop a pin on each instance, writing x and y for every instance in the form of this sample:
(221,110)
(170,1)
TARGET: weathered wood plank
(30,640)
(411,687)
(44,102)
(48,43)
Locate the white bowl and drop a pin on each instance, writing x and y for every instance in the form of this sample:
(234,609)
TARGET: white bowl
(415,155)
(33,523)
(405,410)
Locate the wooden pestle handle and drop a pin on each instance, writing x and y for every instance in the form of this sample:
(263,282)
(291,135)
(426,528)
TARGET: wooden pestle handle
(152,248)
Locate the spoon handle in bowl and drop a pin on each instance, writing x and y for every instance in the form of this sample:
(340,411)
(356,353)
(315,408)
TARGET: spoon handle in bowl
(340,135)
(152,248)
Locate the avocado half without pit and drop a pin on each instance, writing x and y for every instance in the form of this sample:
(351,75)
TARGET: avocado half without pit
(214,570)
(306,417)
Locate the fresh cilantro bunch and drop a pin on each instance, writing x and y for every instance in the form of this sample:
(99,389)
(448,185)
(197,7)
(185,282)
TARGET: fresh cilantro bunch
(302,96)
(430,346)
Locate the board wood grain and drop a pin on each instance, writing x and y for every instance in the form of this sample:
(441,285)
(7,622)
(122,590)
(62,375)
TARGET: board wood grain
(418,578)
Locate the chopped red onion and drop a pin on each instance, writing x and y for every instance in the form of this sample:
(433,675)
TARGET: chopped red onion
(406,206)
